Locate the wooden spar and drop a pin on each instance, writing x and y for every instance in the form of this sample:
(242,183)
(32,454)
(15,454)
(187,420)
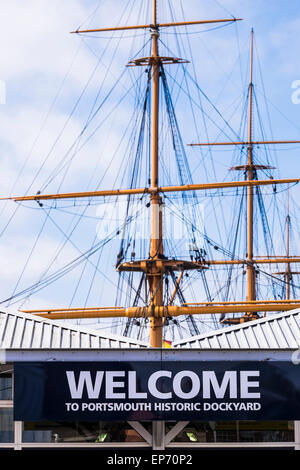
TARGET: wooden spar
(279,260)
(162,189)
(157,25)
(183,265)
(242,302)
(160,312)
(107,310)
(176,288)
(254,142)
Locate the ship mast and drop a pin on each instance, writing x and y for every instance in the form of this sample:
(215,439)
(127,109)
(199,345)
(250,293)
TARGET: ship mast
(251,288)
(288,273)
(250,170)
(288,267)
(155,279)
(157,266)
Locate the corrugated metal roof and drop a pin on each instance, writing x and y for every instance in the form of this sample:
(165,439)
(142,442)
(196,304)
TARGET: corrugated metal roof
(24,331)
(280,331)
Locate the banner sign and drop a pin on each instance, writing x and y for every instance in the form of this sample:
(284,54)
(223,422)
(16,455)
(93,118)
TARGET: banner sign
(138,391)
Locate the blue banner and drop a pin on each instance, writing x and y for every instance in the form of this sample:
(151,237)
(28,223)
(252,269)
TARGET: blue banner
(137,391)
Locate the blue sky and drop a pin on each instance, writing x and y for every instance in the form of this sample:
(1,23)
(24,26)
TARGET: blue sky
(45,69)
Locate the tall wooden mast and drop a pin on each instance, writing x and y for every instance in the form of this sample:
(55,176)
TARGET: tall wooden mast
(155,279)
(251,290)
(250,170)
(288,266)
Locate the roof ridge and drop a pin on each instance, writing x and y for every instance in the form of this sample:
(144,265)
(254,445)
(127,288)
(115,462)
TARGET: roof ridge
(226,330)
(72,327)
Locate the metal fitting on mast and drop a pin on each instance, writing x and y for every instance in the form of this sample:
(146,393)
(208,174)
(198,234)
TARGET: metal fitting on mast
(154,31)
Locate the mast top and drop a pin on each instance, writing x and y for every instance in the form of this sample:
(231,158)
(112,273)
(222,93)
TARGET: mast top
(154,12)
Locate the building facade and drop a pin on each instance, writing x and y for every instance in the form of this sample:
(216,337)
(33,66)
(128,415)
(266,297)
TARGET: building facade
(28,339)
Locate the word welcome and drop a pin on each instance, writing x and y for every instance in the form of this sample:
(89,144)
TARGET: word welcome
(164,385)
